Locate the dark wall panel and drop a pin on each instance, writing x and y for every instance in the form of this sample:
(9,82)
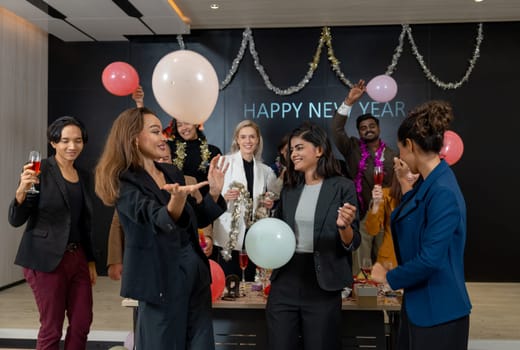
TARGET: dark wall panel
(485,107)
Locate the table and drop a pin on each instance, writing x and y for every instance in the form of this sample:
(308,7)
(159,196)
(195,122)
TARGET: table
(240,324)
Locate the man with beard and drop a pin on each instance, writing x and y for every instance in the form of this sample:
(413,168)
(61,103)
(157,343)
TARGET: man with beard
(362,155)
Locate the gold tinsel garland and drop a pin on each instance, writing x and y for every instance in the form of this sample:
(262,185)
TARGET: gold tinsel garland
(180,154)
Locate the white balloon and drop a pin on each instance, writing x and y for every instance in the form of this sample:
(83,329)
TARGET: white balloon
(186,86)
(270,243)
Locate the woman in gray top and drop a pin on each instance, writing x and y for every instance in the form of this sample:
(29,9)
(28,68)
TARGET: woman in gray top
(304,305)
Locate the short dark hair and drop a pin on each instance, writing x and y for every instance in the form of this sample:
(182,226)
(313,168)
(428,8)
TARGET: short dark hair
(55,129)
(364,117)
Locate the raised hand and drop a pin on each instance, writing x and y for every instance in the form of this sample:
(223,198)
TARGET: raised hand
(138,97)
(216,173)
(355,93)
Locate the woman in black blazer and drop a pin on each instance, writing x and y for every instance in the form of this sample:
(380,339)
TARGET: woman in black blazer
(164,267)
(56,247)
(304,305)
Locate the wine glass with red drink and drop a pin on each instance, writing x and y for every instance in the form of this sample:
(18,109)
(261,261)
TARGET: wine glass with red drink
(34,158)
(378,175)
(243,260)
(366,267)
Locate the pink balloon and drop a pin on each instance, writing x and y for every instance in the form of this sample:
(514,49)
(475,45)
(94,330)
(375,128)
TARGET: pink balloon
(186,86)
(120,78)
(382,88)
(452,147)
(218,280)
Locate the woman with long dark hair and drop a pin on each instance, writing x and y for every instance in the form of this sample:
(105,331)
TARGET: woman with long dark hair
(304,305)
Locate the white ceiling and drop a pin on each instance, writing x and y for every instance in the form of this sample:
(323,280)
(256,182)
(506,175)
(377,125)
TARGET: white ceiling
(103,20)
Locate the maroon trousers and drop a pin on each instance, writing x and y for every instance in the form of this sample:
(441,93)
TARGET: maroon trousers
(66,290)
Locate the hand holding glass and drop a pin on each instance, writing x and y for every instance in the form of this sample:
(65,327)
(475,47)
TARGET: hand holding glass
(35,159)
(378,175)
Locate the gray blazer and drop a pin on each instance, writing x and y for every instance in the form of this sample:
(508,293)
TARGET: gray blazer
(331,256)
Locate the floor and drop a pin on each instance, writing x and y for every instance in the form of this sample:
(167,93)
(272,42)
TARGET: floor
(495,318)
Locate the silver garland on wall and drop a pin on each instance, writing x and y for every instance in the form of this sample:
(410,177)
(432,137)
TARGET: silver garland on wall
(326,39)
(431,76)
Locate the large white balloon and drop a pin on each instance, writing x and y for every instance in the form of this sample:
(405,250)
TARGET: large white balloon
(186,86)
(270,243)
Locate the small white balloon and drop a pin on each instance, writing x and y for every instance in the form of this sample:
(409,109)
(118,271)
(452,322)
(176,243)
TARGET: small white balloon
(186,86)
(270,243)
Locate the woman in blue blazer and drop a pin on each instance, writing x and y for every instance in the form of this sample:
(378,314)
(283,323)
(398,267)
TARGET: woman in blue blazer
(429,228)
(164,267)
(56,247)
(304,305)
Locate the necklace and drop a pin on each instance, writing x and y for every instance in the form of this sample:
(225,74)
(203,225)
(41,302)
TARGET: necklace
(362,166)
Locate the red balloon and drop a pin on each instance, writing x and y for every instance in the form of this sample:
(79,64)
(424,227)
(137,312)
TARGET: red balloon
(452,147)
(218,280)
(120,78)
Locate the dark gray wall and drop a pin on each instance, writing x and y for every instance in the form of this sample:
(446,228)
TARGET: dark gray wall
(485,107)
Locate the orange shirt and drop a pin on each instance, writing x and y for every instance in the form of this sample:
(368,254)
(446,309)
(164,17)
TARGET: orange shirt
(375,222)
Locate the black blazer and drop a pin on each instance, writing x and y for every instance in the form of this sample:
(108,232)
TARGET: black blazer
(153,239)
(331,256)
(48,220)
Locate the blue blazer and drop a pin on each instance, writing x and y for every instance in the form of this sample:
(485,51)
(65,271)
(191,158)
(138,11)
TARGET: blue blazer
(331,256)
(429,228)
(48,220)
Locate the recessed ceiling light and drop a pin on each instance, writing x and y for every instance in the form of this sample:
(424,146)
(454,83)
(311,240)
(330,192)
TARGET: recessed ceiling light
(479,0)
(214,6)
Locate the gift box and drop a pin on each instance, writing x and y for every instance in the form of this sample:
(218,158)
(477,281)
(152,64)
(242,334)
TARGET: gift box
(366,294)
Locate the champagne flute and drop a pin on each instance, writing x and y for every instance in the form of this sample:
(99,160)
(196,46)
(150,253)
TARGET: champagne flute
(378,175)
(243,260)
(366,267)
(34,158)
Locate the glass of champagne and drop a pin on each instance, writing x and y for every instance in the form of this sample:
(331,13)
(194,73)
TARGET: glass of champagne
(378,175)
(34,158)
(243,260)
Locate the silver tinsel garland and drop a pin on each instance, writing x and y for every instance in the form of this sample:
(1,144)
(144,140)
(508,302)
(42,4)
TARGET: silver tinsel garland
(326,39)
(243,200)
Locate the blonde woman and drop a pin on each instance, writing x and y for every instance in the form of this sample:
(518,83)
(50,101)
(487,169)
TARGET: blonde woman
(247,177)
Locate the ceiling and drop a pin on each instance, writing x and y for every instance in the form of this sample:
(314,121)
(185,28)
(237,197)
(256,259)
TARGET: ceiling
(115,20)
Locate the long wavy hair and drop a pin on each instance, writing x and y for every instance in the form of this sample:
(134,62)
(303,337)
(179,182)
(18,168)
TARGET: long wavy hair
(327,165)
(120,153)
(245,124)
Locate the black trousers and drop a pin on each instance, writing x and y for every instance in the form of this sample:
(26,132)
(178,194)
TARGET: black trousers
(301,315)
(185,322)
(451,335)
